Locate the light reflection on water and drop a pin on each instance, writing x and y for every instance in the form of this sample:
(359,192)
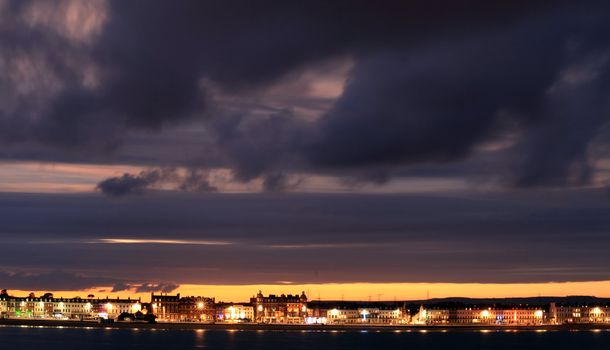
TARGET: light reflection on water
(92,338)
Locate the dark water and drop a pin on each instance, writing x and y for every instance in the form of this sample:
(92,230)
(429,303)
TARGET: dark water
(94,339)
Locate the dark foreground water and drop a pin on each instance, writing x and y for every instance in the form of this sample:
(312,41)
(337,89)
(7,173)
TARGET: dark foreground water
(93,339)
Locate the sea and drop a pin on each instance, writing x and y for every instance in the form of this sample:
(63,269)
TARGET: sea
(30,338)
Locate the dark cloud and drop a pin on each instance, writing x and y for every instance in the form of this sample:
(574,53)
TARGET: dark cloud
(58,279)
(145,287)
(65,280)
(255,146)
(279,182)
(435,103)
(431,81)
(159,287)
(120,286)
(50,280)
(125,184)
(556,151)
(194,180)
(135,184)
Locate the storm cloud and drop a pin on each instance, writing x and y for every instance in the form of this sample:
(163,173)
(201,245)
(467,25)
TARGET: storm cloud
(147,287)
(130,184)
(430,82)
(50,280)
(159,287)
(193,180)
(57,279)
(544,78)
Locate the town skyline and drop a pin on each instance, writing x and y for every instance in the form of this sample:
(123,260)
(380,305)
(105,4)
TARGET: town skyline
(278,310)
(343,147)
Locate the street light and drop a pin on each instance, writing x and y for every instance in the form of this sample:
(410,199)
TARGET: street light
(136,307)
(364,313)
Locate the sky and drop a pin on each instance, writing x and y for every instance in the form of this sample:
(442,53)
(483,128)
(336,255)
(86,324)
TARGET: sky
(349,148)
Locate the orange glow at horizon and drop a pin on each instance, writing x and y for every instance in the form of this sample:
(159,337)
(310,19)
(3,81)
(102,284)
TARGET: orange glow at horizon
(362,291)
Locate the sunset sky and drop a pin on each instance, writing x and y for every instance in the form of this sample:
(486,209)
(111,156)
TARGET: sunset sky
(349,149)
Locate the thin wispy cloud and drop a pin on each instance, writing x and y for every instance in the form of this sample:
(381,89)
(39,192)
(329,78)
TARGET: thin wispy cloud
(323,245)
(134,241)
(157,241)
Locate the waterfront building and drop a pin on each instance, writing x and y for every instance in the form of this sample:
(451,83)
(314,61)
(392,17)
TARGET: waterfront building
(431,316)
(437,316)
(196,309)
(166,307)
(111,308)
(234,313)
(499,316)
(391,316)
(279,309)
(524,316)
(565,314)
(173,308)
(47,307)
(342,316)
(316,314)
(314,310)
(366,315)
(29,307)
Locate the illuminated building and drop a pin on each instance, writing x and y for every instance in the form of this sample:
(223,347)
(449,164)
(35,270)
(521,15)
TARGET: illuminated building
(340,316)
(431,316)
(229,312)
(47,307)
(524,316)
(562,314)
(365,315)
(437,316)
(173,308)
(111,308)
(279,309)
(196,309)
(166,307)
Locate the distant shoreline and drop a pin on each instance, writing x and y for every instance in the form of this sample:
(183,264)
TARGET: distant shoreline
(296,327)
